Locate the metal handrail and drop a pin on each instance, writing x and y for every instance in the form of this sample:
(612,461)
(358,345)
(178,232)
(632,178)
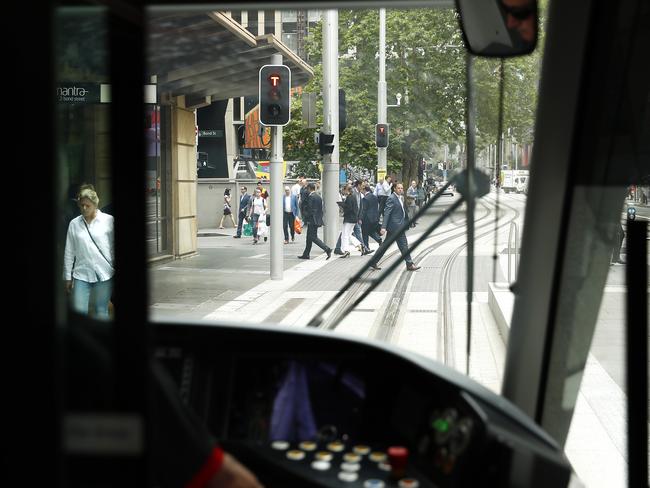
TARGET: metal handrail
(513,224)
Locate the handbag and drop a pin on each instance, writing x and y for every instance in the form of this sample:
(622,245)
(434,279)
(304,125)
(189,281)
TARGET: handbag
(248,229)
(297,225)
(262,228)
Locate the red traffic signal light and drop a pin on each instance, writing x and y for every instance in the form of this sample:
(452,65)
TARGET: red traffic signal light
(275,95)
(381,135)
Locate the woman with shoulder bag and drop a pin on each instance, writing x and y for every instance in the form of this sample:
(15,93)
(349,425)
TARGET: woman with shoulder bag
(227,209)
(89,256)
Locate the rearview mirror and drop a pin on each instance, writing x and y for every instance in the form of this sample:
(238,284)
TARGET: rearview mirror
(498,28)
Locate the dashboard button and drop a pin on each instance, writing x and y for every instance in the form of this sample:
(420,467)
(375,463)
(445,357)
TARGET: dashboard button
(280,445)
(324,456)
(408,483)
(348,476)
(374,483)
(320,465)
(295,455)
(350,467)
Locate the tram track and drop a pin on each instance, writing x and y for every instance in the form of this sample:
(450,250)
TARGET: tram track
(332,321)
(393,307)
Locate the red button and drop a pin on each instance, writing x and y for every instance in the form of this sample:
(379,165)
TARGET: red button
(398,457)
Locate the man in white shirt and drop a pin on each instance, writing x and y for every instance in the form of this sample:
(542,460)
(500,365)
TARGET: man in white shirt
(289,213)
(383,192)
(295,189)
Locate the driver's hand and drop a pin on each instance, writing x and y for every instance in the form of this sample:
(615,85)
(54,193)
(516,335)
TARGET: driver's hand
(233,475)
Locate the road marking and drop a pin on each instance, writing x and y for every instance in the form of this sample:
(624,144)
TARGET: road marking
(257,256)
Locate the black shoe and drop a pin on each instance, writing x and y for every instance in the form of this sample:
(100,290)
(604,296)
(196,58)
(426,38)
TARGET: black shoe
(236,237)
(369,251)
(303,257)
(338,251)
(374,267)
(329,254)
(265,239)
(412,267)
(345,254)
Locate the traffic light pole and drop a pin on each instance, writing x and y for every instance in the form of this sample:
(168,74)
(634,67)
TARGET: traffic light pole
(331,124)
(381,93)
(276,193)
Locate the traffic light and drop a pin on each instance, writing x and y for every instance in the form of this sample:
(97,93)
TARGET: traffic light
(381,135)
(326,143)
(275,97)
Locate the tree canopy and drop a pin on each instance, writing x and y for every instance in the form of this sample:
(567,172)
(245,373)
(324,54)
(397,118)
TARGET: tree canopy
(426,63)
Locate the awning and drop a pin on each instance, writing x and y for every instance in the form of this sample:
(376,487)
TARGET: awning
(210,54)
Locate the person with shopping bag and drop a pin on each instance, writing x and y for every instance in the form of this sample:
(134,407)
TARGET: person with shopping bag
(257,211)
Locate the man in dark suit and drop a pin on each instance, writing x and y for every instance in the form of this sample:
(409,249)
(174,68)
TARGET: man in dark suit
(244,204)
(304,193)
(394,218)
(312,215)
(369,218)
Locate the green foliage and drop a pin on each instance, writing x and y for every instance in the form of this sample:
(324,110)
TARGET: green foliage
(425,62)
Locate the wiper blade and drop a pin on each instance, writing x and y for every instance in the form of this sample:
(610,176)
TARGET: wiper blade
(318,318)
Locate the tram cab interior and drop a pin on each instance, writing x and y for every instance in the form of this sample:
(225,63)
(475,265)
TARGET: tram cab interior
(248,384)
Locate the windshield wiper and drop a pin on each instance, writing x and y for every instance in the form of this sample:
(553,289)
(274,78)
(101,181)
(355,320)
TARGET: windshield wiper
(481,186)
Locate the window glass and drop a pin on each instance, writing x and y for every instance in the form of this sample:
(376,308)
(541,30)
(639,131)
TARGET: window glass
(206,166)
(82,97)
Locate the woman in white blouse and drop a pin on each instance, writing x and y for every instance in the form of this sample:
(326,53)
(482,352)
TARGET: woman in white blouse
(88,262)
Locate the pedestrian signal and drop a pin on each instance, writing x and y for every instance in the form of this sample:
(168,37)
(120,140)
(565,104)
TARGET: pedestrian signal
(381,135)
(275,95)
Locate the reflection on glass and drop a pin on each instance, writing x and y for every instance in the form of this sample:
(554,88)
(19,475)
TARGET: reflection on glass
(499,28)
(89,256)
(82,98)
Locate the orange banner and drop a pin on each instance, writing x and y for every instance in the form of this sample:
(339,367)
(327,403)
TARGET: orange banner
(253,139)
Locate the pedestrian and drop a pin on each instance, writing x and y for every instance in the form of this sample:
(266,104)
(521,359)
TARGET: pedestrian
(304,193)
(369,218)
(89,256)
(421,196)
(227,209)
(350,219)
(383,192)
(312,209)
(394,218)
(357,238)
(264,194)
(257,211)
(618,243)
(411,199)
(289,214)
(244,208)
(295,189)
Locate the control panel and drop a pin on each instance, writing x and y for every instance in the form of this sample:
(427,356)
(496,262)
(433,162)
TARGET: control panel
(336,413)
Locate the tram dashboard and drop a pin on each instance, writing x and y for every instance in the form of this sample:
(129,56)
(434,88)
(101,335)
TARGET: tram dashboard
(303,408)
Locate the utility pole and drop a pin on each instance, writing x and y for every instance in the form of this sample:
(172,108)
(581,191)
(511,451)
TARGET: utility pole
(275,195)
(331,124)
(381,93)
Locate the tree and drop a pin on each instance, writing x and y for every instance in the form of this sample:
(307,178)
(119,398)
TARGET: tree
(425,61)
